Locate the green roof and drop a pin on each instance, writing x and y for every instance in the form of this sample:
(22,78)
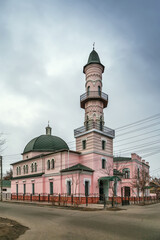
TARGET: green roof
(93,58)
(78,167)
(28,176)
(46,143)
(109,178)
(6,183)
(120,159)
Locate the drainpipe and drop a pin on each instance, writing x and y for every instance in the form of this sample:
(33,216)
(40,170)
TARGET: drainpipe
(68,158)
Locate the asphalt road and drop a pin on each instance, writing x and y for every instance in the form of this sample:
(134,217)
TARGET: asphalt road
(135,223)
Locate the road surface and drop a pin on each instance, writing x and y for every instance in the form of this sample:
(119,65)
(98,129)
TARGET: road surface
(45,223)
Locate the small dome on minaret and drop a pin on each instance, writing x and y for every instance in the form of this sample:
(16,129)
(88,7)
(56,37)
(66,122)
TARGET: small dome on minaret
(48,130)
(93,59)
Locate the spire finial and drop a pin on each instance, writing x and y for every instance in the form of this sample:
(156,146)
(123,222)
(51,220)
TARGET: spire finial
(93,45)
(48,129)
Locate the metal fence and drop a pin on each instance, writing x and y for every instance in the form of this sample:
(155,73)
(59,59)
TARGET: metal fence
(81,199)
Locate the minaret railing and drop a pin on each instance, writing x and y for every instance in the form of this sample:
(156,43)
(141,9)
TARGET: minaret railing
(93,94)
(94,125)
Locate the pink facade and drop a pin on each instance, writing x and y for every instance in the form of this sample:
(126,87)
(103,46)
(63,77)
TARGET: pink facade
(132,168)
(54,169)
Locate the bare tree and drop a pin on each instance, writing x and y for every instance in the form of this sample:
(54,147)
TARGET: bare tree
(8,175)
(141,180)
(155,186)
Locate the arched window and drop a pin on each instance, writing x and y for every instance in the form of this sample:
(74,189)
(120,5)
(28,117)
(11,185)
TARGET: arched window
(88,90)
(32,167)
(126,172)
(19,170)
(52,163)
(35,167)
(103,144)
(103,163)
(24,169)
(48,164)
(99,90)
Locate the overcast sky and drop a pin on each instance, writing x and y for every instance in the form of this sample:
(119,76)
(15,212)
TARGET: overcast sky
(43,48)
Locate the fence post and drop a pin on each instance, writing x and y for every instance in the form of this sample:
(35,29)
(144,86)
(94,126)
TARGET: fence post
(104,201)
(17,196)
(72,199)
(31,197)
(48,197)
(86,200)
(122,200)
(23,197)
(59,198)
(112,201)
(39,197)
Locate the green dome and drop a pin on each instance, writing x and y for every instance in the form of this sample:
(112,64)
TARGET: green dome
(93,58)
(46,143)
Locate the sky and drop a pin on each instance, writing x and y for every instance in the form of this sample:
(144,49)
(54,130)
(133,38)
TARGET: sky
(43,48)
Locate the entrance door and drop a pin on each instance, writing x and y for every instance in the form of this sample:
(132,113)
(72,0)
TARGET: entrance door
(125,200)
(101,191)
(127,191)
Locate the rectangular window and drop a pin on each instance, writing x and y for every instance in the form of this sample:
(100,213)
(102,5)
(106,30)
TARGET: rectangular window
(51,188)
(103,144)
(84,144)
(103,163)
(86,188)
(69,188)
(24,188)
(33,192)
(17,189)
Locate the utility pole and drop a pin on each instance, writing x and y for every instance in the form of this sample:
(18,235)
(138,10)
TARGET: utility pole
(1,181)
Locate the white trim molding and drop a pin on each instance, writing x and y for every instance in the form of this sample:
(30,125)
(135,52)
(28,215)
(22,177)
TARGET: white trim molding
(68,180)
(87,180)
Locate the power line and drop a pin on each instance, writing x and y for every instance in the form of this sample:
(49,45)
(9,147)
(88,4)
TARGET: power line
(138,122)
(139,129)
(124,139)
(158,135)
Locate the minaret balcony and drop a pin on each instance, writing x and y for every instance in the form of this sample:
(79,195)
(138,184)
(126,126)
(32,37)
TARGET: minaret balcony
(94,95)
(94,127)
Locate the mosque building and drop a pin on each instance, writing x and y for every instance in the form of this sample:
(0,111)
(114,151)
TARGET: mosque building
(48,166)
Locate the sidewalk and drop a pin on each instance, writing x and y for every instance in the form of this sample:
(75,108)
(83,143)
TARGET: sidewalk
(43,204)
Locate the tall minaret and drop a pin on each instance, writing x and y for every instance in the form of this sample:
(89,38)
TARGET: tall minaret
(94,136)
(94,100)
